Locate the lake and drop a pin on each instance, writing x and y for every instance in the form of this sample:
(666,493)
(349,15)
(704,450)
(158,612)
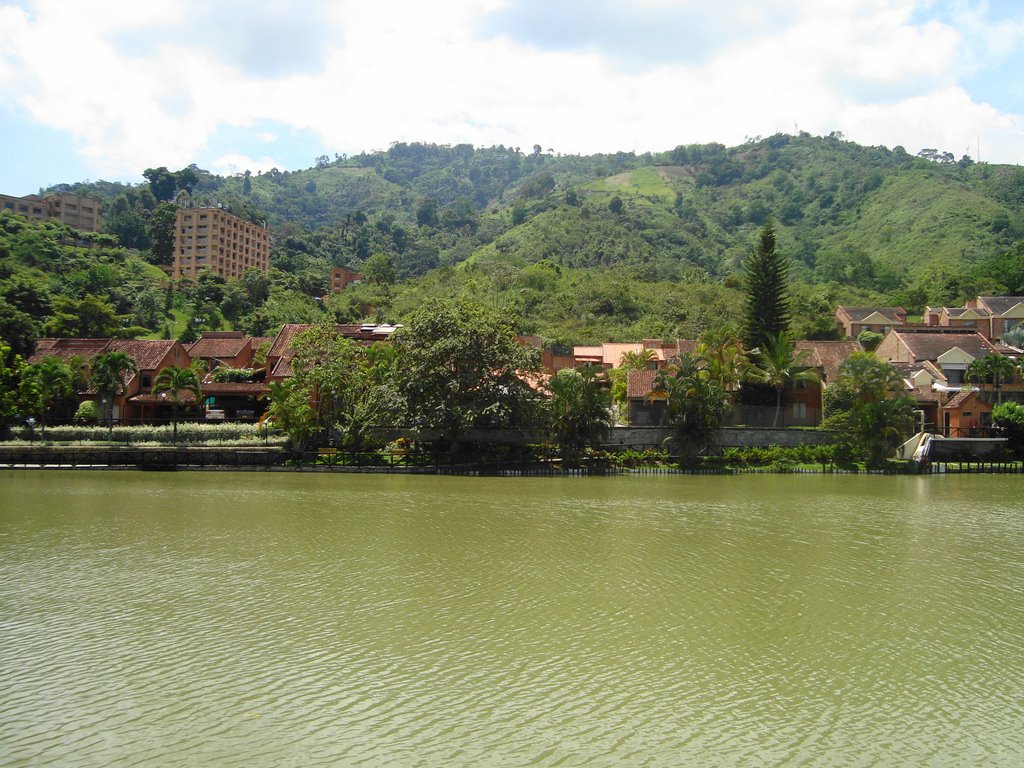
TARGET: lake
(277,619)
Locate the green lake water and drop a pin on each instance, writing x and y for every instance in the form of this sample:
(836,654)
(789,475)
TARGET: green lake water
(251,619)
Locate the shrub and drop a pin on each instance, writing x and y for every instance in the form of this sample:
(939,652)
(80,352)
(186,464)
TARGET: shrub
(88,413)
(234,375)
(1009,418)
(194,433)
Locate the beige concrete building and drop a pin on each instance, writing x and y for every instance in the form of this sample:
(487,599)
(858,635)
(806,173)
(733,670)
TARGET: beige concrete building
(212,238)
(82,213)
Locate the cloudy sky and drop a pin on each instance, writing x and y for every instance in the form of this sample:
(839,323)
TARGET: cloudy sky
(102,89)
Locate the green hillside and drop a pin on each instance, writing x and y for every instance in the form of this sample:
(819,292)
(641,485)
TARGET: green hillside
(579,248)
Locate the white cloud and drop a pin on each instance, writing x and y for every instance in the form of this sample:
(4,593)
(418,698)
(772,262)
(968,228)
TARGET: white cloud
(231,164)
(133,91)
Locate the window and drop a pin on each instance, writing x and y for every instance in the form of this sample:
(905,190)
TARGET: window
(799,410)
(954,376)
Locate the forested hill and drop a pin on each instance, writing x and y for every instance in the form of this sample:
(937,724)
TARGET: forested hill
(585,247)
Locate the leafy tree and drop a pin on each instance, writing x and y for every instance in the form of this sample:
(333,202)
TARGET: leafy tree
(869,340)
(881,415)
(881,426)
(50,383)
(379,270)
(162,182)
(109,375)
(696,403)
(994,369)
(1009,419)
(580,411)
(329,373)
(459,367)
(291,412)
(426,212)
(90,317)
(615,205)
(175,382)
(780,365)
(766,305)
(17,330)
(870,377)
(88,412)
(160,230)
(1015,336)
(11,369)
(27,294)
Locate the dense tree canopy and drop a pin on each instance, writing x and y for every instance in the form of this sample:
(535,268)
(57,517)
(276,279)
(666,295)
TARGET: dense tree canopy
(459,367)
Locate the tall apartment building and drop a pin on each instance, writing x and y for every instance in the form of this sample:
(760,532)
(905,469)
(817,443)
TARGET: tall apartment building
(212,238)
(82,213)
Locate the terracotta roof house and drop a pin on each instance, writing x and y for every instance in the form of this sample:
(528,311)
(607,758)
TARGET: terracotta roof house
(643,409)
(231,349)
(952,350)
(876,319)
(609,354)
(827,356)
(966,414)
(1004,312)
(945,356)
(150,356)
(964,318)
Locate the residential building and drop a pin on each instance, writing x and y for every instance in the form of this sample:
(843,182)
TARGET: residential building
(934,363)
(802,403)
(230,349)
(78,211)
(1004,312)
(82,213)
(881,320)
(950,349)
(212,238)
(342,277)
(138,402)
(610,354)
(31,207)
(991,316)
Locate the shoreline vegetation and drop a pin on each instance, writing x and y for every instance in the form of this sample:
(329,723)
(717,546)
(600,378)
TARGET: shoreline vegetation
(523,461)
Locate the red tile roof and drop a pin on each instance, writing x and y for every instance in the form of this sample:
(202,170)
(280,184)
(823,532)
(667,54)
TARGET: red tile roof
(147,354)
(639,384)
(930,345)
(827,355)
(221,345)
(64,349)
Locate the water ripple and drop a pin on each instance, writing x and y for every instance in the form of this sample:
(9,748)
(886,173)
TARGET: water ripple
(322,621)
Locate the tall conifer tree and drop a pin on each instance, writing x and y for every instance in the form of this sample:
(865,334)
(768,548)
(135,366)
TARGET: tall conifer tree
(766,305)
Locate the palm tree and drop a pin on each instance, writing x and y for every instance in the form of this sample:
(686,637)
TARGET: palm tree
(580,410)
(53,381)
(995,368)
(696,402)
(727,362)
(781,366)
(870,377)
(638,360)
(110,374)
(176,381)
